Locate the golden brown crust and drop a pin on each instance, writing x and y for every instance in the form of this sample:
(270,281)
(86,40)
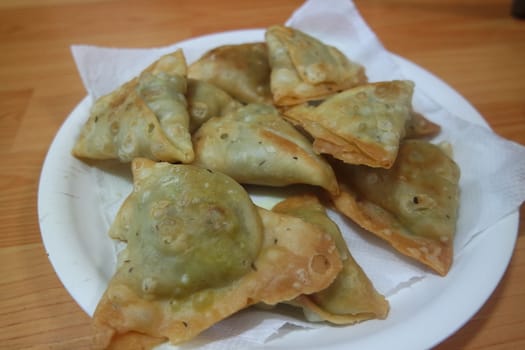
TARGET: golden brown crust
(362,125)
(351,298)
(145,117)
(419,126)
(205,101)
(242,70)
(413,205)
(435,254)
(255,145)
(303,68)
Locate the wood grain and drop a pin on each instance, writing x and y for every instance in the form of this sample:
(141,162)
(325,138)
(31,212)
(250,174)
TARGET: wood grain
(475,46)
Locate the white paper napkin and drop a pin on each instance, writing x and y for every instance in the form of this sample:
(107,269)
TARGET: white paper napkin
(492,168)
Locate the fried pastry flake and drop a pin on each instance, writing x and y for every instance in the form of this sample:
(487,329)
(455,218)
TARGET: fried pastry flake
(362,125)
(413,205)
(198,250)
(145,117)
(351,297)
(304,68)
(242,70)
(255,145)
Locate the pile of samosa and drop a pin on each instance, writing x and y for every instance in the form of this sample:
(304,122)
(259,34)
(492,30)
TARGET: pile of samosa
(289,111)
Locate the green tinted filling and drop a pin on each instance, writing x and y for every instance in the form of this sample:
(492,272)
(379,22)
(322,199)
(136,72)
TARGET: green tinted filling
(193,230)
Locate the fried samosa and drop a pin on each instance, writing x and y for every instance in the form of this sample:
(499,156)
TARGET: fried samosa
(255,145)
(351,297)
(206,100)
(242,70)
(418,126)
(198,250)
(413,205)
(362,125)
(304,68)
(145,117)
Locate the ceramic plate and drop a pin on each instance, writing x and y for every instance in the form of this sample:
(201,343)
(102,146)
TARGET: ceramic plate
(76,204)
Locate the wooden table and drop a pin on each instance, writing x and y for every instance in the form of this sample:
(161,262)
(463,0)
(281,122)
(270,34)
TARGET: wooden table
(475,46)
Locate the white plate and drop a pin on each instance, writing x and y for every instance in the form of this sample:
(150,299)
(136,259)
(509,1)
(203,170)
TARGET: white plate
(74,225)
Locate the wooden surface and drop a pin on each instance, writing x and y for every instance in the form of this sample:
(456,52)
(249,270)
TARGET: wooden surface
(475,46)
